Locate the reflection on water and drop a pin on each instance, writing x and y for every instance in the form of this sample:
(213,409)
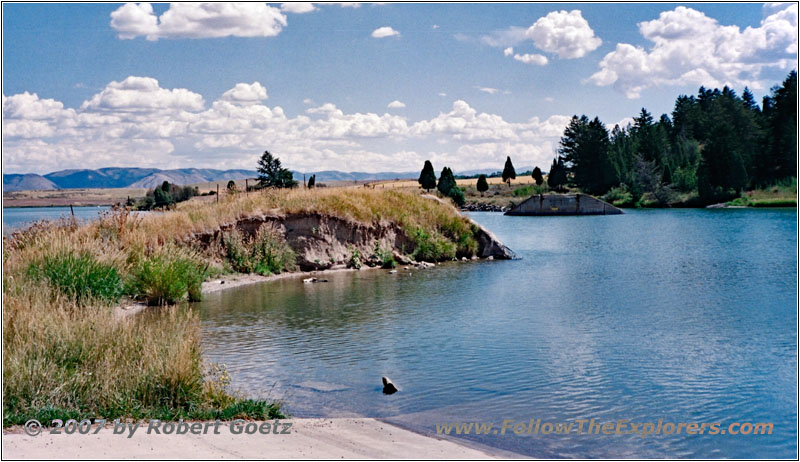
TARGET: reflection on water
(682,315)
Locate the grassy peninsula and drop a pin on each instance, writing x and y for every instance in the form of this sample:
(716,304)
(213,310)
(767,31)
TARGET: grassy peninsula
(68,354)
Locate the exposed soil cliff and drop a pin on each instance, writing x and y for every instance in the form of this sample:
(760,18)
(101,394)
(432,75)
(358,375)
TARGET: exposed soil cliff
(322,241)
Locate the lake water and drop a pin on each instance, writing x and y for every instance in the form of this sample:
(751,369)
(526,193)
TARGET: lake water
(680,315)
(15,218)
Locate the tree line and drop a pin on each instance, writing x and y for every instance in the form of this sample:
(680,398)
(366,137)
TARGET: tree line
(713,146)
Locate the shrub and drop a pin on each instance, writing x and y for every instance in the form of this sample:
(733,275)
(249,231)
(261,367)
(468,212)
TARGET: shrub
(619,196)
(432,246)
(385,256)
(167,277)
(266,253)
(79,276)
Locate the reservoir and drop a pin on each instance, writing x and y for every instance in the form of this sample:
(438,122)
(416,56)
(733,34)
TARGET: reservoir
(15,218)
(680,315)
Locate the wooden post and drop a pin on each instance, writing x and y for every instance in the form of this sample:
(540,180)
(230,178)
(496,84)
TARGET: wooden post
(246,187)
(217,193)
(72,212)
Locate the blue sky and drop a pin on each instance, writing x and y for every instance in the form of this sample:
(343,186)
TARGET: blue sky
(94,85)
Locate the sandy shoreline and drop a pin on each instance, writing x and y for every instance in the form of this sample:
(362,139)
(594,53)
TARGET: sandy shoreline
(350,438)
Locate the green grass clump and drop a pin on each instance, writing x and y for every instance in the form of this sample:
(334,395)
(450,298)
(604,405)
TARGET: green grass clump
(265,253)
(432,246)
(79,276)
(166,277)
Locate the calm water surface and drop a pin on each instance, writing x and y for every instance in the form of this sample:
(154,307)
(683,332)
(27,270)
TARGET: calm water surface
(15,218)
(681,315)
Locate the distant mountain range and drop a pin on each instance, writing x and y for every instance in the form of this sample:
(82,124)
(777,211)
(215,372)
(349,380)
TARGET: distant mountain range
(116,177)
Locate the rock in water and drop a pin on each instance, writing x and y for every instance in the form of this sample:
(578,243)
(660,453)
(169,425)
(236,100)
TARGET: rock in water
(388,386)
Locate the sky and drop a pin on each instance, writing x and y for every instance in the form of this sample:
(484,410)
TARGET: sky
(359,87)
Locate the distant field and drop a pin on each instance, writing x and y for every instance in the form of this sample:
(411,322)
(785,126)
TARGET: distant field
(64,197)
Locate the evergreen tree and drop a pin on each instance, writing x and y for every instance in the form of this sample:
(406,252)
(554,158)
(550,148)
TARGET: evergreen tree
(446,181)
(162,197)
(508,171)
(482,185)
(557,176)
(312,181)
(271,174)
(231,187)
(427,178)
(537,176)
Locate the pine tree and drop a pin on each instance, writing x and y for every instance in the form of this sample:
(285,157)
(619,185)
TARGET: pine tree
(271,174)
(508,171)
(427,178)
(312,181)
(557,176)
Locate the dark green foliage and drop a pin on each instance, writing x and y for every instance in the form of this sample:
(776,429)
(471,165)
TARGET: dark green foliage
(162,198)
(482,184)
(427,178)
(312,181)
(557,176)
(271,173)
(79,276)
(537,176)
(508,171)
(716,144)
(447,187)
(585,149)
(231,187)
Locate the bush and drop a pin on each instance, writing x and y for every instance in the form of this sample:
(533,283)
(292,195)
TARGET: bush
(432,246)
(385,256)
(619,196)
(165,278)
(266,253)
(79,276)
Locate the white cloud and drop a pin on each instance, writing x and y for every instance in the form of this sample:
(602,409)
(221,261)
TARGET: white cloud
(298,7)
(490,90)
(383,32)
(567,34)
(535,59)
(245,93)
(442,94)
(396,105)
(505,38)
(136,122)
(435,26)
(143,93)
(690,48)
(198,20)
(508,51)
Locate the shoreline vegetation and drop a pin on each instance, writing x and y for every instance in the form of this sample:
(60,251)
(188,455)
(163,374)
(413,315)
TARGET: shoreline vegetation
(67,352)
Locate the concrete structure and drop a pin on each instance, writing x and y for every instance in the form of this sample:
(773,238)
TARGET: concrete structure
(563,204)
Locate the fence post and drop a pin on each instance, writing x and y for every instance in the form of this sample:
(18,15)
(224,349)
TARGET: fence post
(246,187)
(217,193)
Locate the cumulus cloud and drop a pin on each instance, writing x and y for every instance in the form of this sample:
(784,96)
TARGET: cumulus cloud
(245,93)
(198,20)
(690,48)
(298,7)
(508,51)
(137,122)
(396,105)
(535,59)
(566,34)
(383,32)
(142,93)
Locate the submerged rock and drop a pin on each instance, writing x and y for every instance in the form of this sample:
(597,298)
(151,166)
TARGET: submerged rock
(388,386)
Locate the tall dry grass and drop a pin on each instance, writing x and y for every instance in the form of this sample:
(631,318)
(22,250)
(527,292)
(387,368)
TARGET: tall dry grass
(67,355)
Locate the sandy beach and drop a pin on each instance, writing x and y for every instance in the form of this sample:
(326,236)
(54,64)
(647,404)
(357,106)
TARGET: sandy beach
(349,438)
